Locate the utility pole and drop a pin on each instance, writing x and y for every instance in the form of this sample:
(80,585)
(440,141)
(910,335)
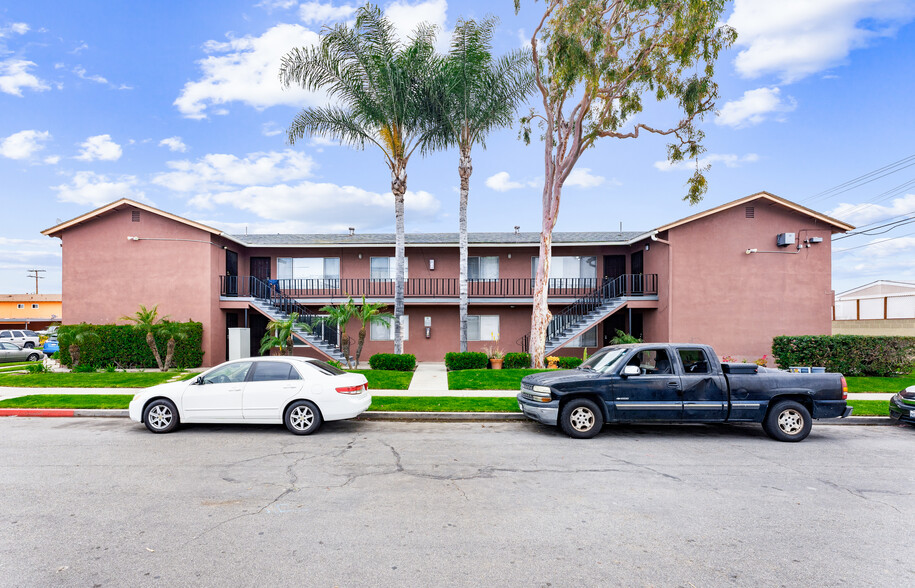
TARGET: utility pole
(36,276)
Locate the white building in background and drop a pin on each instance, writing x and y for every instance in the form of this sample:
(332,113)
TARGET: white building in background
(879,308)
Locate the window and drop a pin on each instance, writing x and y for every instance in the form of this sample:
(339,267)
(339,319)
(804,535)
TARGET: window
(20,306)
(483,268)
(271,371)
(569,267)
(483,328)
(694,361)
(385,332)
(5,334)
(652,362)
(308,268)
(34,306)
(385,268)
(325,368)
(233,373)
(586,339)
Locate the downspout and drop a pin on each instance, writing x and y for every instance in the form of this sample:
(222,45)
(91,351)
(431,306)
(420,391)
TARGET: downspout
(670,284)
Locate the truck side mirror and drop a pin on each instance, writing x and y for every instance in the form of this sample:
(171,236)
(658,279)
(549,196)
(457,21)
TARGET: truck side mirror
(631,370)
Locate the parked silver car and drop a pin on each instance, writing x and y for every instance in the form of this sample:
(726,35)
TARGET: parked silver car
(20,337)
(11,352)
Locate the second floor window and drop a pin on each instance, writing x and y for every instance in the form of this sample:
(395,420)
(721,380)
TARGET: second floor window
(308,268)
(385,268)
(483,268)
(569,267)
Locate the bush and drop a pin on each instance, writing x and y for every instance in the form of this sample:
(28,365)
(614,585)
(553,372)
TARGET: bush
(405,362)
(84,369)
(516,361)
(569,363)
(125,346)
(468,360)
(852,355)
(36,368)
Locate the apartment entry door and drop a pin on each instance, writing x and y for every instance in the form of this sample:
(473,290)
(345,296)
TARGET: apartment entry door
(260,268)
(231,273)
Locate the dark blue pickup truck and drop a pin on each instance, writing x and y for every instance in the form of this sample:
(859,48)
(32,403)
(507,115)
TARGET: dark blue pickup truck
(670,382)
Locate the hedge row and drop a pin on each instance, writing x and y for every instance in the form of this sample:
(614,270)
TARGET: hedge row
(393,362)
(516,361)
(468,360)
(851,355)
(125,346)
(569,363)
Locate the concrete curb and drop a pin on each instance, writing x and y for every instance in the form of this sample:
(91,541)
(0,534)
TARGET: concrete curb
(441,416)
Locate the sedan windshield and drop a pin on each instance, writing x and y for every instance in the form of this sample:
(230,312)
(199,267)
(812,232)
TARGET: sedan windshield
(605,359)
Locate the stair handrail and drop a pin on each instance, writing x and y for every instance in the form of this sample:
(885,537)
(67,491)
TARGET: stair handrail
(273,295)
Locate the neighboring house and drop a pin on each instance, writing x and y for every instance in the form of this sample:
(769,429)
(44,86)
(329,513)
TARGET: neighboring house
(733,277)
(879,308)
(29,311)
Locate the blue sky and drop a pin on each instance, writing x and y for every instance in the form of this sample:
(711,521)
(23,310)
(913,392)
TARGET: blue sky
(177,104)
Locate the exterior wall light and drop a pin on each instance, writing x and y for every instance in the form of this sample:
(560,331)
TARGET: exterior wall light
(749,251)
(133,238)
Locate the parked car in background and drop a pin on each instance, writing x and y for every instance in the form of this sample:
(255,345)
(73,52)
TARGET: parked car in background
(296,391)
(12,352)
(902,406)
(50,331)
(51,345)
(20,337)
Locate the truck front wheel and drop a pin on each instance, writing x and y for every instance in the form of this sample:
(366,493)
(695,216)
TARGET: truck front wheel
(581,419)
(788,421)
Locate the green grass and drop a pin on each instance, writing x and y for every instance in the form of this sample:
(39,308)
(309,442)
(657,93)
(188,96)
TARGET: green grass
(443,404)
(386,379)
(96,380)
(3,366)
(867,384)
(870,407)
(487,379)
(85,401)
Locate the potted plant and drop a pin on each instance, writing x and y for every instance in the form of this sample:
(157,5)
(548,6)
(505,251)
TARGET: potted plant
(552,362)
(496,357)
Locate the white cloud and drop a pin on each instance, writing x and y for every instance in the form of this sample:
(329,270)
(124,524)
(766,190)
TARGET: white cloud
(728,159)
(24,144)
(224,172)
(14,76)
(280,4)
(19,28)
(867,213)
(754,107)
(246,70)
(99,147)
(323,13)
(406,16)
(583,178)
(883,258)
(271,129)
(92,189)
(80,72)
(52,159)
(173,144)
(502,182)
(794,39)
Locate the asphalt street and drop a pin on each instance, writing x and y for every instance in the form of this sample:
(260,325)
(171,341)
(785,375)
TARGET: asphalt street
(102,502)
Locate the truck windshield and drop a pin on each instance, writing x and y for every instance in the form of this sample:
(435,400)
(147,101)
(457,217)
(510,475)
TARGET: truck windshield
(605,359)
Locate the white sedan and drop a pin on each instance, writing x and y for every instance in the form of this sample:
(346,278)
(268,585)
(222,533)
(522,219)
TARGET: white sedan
(299,392)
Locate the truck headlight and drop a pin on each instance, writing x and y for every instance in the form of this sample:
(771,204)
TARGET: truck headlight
(541,389)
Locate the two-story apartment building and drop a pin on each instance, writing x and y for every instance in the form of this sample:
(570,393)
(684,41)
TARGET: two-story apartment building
(733,276)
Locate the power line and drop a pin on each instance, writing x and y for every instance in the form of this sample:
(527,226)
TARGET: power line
(873,243)
(863,179)
(36,276)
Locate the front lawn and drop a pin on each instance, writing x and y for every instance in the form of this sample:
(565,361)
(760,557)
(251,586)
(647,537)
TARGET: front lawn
(80,401)
(386,379)
(869,407)
(443,404)
(488,379)
(869,384)
(90,380)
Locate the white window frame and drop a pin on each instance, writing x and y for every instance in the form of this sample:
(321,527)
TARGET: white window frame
(392,269)
(485,325)
(377,328)
(558,264)
(34,305)
(580,340)
(20,306)
(282,268)
(483,260)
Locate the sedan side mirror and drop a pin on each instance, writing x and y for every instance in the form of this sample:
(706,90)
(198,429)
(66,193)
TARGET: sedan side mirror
(198,380)
(631,370)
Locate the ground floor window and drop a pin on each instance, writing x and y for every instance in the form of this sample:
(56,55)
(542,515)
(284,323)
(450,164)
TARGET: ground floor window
(385,331)
(483,328)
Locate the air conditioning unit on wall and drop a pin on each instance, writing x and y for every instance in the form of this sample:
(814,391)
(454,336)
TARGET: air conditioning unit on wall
(784,239)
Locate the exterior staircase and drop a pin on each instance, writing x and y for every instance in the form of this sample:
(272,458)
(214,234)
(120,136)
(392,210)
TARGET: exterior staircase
(323,338)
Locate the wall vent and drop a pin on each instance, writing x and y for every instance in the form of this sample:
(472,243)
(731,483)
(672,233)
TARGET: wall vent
(135,216)
(751,212)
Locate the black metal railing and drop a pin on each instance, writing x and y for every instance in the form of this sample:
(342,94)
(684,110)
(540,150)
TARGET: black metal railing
(624,285)
(635,285)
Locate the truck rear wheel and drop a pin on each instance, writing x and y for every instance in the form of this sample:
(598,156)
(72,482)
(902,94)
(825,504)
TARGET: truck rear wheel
(581,419)
(788,421)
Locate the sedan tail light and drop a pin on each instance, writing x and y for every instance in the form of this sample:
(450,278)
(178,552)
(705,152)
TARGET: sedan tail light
(352,389)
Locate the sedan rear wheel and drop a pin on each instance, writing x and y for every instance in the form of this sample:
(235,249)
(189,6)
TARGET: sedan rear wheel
(302,417)
(161,416)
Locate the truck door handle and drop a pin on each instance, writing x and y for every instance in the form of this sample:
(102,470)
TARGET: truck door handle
(672,384)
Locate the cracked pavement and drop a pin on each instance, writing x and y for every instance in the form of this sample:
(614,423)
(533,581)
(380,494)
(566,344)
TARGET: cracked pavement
(97,502)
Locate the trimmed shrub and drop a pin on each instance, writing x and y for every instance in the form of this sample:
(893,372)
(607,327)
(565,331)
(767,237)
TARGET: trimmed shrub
(569,363)
(851,355)
(125,346)
(468,360)
(394,362)
(517,361)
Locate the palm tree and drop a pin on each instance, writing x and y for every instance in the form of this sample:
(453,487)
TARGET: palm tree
(369,313)
(480,95)
(148,320)
(382,89)
(174,332)
(339,316)
(279,334)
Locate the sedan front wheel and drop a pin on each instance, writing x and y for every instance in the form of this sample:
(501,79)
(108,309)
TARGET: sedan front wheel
(160,416)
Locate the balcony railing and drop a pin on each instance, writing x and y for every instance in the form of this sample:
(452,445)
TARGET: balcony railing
(248,286)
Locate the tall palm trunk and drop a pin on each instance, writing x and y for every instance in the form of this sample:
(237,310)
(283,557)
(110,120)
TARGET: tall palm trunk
(151,341)
(398,188)
(465,168)
(169,353)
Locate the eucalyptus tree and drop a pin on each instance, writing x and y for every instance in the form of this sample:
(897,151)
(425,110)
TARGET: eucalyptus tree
(380,88)
(595,61)
(481,94)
